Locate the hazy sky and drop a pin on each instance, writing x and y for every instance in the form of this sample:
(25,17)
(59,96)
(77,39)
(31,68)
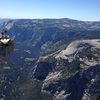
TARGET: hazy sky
(75,9)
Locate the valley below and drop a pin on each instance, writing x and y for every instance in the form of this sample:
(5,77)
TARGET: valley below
(51,59)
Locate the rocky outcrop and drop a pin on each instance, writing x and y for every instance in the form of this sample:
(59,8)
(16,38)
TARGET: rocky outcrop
(76,72)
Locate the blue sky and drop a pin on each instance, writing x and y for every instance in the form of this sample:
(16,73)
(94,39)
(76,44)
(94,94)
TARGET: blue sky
(75,9)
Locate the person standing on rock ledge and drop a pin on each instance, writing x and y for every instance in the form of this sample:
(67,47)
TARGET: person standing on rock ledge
(4,39)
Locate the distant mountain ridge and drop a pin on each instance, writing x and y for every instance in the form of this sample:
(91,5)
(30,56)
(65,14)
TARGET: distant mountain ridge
(47,35)
(2,20)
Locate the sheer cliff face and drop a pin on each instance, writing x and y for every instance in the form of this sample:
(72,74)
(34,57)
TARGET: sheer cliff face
(53,59)
(75,73)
